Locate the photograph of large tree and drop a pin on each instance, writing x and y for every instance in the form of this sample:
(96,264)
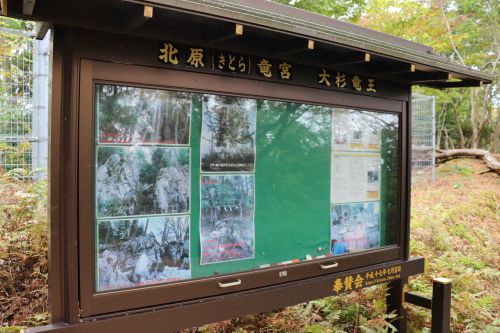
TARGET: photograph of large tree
(138,180)
(228,133)
(142,251)
(140,115)
(227,218)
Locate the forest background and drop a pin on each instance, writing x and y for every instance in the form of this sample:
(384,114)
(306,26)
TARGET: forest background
(454,222)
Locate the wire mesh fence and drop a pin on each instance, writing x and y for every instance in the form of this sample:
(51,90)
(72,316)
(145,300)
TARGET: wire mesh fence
(16,106)
(423,137)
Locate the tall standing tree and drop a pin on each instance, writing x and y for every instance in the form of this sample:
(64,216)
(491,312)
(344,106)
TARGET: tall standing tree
(465,31)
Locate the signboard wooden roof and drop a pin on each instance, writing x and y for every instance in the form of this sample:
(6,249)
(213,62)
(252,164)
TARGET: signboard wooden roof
(280,30)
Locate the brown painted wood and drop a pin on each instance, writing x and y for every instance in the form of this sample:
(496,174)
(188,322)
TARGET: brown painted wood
(63,184)
(198,312)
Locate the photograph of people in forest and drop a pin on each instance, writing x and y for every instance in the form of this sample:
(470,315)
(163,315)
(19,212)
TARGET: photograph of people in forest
(227,218)
(139,115)
(142,251)
(228,133)
(355,226)
(139,180)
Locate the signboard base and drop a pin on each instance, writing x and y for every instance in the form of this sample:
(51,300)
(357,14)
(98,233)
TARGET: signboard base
(171,318)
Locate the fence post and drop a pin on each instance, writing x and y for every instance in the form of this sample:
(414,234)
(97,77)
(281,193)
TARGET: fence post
(441,305)
(40,122)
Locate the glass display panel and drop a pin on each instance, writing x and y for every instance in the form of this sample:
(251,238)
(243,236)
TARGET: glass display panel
(192,185)
(360,141)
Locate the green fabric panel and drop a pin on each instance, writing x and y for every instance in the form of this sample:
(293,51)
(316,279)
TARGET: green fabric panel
(292,189)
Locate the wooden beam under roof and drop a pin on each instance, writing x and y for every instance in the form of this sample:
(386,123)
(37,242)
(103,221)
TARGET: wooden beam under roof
(385,68)
(28,6)
(421,77)
(138,17)
(41,29)
(350,59)
(453,84)
(227,34)
(308,46)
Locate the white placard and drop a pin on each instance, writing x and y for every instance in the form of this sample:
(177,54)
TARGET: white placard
(355,177)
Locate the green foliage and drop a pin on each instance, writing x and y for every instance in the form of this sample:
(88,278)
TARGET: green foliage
(11,23)
(348,10)
(451,168)
(473,28)
(15,91)
(11,329)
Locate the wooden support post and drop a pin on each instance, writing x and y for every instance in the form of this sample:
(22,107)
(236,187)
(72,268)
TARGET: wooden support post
(395,302)
(4,7)
(441,305)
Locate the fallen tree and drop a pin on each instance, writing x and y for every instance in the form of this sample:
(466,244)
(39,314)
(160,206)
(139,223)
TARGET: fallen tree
(490,159)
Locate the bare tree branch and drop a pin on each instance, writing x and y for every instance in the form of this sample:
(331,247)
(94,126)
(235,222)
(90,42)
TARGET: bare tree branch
(455,50)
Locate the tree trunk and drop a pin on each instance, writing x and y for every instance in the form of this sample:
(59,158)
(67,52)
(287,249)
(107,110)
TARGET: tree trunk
(459,126)
(474,143)
(490,159)
(442,116)
(495,139)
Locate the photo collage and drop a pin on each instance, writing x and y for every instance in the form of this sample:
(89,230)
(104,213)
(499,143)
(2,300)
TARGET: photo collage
(227,184)
(142,192)
(355,181)
(143,178)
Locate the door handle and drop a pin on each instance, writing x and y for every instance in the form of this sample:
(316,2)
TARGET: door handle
(335,264)
(230,284)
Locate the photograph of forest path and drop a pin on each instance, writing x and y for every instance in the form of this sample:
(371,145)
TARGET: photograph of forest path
(142,251)
(138,180)
(227,218)
(140,115)
(228,133)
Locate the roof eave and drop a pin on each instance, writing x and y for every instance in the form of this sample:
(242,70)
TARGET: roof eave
(260,14)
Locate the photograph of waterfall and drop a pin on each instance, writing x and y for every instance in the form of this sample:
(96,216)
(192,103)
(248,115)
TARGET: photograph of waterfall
(227,218)
(139,115)
(228,133)
(142,251)
(138,180)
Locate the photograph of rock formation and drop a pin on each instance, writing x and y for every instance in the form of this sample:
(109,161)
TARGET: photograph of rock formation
(138,180)
(142,251)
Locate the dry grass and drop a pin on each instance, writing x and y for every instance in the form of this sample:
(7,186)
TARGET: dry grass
(455,225)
